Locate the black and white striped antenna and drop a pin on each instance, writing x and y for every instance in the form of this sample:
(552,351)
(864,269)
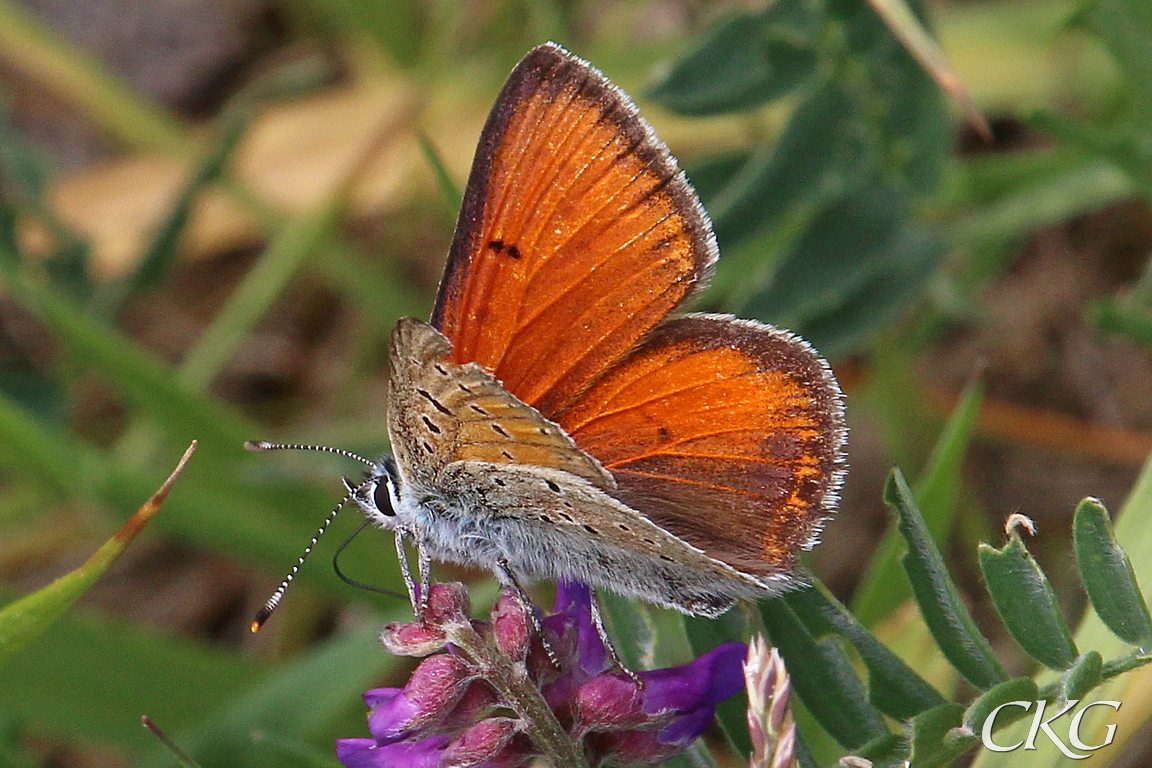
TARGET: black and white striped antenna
(259,445)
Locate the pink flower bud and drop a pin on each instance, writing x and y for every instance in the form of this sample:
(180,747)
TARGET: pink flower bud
(448,604)
(609,702)
(432,692)
(477,702)
(445,716)
(413,639)
(482,744)
(512,626)
(440,681)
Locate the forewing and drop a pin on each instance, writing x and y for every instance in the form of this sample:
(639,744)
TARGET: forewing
(440,412)
(726,432)
(578,234)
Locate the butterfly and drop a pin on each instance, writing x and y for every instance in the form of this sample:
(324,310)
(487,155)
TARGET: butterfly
(561,416)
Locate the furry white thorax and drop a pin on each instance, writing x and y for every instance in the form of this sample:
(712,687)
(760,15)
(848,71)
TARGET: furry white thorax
(443,532)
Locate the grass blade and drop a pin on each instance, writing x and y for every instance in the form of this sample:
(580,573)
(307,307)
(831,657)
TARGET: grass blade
(24,620)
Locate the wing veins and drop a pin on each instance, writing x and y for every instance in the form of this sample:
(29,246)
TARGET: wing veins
(627,152)
(583,225)
(579,176)
(595,344)
(610,255)
(699,483)
(533,139)
(708,456)
(656,398)
(542,190)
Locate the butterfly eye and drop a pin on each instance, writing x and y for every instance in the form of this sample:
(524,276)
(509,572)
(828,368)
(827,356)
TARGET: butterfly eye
(382,498)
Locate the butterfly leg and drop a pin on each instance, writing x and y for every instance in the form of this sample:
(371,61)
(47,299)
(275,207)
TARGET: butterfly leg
(406,572)
(602,631)
(504,574)
(424,566)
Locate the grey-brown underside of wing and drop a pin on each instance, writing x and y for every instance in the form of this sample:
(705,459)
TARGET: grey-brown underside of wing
(441,412)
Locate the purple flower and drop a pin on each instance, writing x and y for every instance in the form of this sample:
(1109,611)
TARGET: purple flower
(454,711)
(365,753)
(432,693)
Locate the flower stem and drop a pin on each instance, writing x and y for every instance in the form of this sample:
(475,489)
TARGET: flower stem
(519,693)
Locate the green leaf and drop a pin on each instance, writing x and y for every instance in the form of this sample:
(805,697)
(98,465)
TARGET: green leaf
(893,687)
(889,751)
(744,61)
(901,108)
(838,257)
(1108,576)
(910,29)
(1112,315)
(263,284)
(823,151)
(138,376)
(1016,689)
(1082,677)
(182,757)
(1026,603)
(940,604)
(1122,145)
(23,620)
(631,628)
(397,28)
(1125,26)
(21,169)
(449,191)
(840,183)
(823,677)
(24,178)
(937,492)
(114,672)
(1065,187)
(927,733)
(59,66)
(10,255)
(857,266)
(37,450)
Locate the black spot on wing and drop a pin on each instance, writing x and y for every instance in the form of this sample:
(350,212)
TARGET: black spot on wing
(499,246)
(435,403)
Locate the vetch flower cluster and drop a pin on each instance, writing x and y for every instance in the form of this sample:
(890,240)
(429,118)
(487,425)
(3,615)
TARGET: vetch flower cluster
(488,695)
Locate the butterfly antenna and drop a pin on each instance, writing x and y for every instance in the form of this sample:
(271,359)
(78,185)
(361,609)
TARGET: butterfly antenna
(270,606)
(353,582)
(262,445)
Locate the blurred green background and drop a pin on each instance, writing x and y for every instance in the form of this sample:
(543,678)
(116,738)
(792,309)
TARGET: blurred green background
(213,212)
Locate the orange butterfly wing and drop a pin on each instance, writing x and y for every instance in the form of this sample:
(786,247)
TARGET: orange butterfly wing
(578,234)
(727,433)
(577,238)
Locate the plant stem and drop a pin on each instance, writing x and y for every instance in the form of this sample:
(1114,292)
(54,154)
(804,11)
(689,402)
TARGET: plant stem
(520,695)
